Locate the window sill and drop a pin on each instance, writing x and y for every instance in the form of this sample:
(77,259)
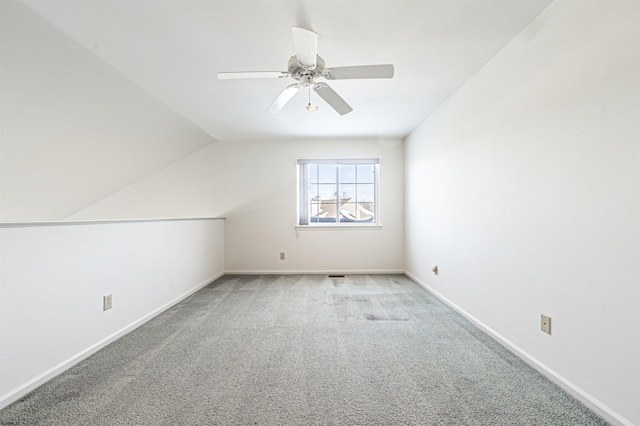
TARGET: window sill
(336,227)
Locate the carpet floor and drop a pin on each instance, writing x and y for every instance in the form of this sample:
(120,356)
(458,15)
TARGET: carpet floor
(303,350)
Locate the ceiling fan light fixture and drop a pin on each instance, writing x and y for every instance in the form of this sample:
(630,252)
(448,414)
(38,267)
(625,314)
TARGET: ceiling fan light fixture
(306,67)
(310,106)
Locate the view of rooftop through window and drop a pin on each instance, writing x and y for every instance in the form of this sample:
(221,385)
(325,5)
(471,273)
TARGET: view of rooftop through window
(338,192)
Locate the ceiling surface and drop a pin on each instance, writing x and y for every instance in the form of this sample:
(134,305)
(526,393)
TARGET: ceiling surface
(174,50)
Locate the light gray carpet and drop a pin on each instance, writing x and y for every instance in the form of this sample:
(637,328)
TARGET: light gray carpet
(303,350)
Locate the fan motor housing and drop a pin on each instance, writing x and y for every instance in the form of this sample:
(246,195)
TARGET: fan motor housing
(298,71)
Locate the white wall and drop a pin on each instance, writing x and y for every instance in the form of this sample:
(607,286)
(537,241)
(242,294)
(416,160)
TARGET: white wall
(253,185)
(190,187)
(73,129)
(260,200)
(524,189)
(53,279)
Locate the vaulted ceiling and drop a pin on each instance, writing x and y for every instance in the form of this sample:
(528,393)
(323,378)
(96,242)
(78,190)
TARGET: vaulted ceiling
(174,50)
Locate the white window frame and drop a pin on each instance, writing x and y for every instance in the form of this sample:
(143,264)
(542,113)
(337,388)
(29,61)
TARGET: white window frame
(303,210)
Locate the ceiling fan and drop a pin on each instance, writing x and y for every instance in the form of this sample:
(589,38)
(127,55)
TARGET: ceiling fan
(306,67)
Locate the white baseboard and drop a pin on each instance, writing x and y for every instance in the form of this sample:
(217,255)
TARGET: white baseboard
(21,391)
(592,403)
(314,272)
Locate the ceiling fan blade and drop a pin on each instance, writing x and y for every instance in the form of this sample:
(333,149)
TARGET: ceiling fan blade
(283,98)
(360,71)
(332,98)
(305,43)
(252,74)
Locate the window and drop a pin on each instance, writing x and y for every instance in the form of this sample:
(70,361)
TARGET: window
(338,192)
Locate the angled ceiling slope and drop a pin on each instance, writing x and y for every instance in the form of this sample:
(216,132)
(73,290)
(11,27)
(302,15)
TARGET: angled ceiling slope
(174,50)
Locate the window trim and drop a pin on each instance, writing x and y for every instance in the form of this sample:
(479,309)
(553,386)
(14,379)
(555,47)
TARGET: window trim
(303,195)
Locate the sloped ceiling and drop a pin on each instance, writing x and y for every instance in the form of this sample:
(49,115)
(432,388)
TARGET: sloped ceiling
(174,49)
(74,130)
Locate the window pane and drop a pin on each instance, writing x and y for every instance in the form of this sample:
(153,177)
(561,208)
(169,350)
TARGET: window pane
(366,192)
(347,173)
(348,191)
(327,191)
(323,212)
(327,173)
(313,173)
(328,211)
(313,191)
(365,212)
(347,212)
(315,209)
(355,212)
(366,173)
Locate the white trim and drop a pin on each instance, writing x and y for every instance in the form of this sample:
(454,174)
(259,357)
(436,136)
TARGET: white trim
(98,221)
(318,227)
(21,391)
(592,403)
(316,272)
(340,161)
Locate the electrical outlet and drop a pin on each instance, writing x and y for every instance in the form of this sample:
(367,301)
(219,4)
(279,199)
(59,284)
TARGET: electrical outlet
(545,324)
(107,303)
(281,255)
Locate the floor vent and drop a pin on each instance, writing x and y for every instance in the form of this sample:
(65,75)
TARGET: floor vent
(336,276)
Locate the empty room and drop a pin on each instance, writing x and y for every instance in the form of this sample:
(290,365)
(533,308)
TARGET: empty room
(284,212)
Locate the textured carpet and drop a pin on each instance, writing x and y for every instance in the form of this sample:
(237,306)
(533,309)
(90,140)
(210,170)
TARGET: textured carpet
(303,350)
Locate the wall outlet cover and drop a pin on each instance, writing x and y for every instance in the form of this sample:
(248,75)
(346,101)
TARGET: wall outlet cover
(107,303)
(545,324)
